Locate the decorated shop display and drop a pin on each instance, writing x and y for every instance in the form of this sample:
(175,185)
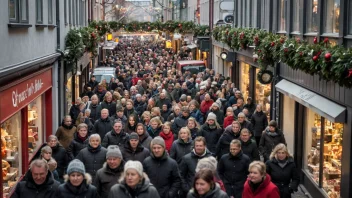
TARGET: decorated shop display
(331,63)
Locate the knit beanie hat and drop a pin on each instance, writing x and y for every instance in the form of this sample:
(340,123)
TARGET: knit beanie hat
(215,104)
(119,108)
(211,116)
(158,140)
(273,123)
(113,151)
(136,165)
(76,166)
(134,136)
(207,162)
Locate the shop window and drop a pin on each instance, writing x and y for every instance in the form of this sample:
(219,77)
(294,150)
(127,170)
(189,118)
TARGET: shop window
(327,136)
(10,152)
(69,92)
(312,16)
(331,16)
(245,80)
(262,95)
(35,126)
(282,15)
(295,16)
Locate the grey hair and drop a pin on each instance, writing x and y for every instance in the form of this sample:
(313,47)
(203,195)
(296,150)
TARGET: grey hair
(87,110)
(95,136)
(52,137)
(39,163)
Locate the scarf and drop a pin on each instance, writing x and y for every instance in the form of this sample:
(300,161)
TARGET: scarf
(94,150)
(82,138)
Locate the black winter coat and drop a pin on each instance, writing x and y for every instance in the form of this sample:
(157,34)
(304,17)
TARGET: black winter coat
(76,146)
(159,103)
(67,190)
(140,107)
(61,158)
(214,193)
(93,112)
(110,106)
(286,178)
(259,122)
(145,140)
(223,145)
(211,136)
(188,168)
(112,138)
(106,178)
(250,149)
(138,155)
(74,112)
(169,182)
(233,171)
(269,140)
(143,190)
(178,123)
(246,124)
(27,187)
(93,159)
(123,119)
(102,126)
(219,116)
(180,148)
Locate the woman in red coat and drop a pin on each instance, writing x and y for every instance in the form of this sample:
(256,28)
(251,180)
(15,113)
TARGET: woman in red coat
(206,104)
(258,184)
(167,135)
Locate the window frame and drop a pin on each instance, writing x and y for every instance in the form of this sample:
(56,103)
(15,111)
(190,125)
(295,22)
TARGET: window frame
(307,14)
(18,12)
(297,9)
(36,12)
(279,16)
(50,12)
(325,17)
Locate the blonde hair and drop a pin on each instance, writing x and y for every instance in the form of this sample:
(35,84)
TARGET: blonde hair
(195,121)
(187,130)
(277,148)
(156,110)
(167,124)
(145,114)
(259,165)
(157,120)
(82,125)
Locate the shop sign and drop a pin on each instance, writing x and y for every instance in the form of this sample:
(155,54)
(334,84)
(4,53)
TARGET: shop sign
(20,95)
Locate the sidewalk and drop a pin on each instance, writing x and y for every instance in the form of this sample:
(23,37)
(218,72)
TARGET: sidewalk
(300,193)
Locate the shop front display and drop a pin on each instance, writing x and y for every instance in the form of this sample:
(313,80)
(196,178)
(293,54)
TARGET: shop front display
(324,137)
(262,95)
(245,80)
(22,126)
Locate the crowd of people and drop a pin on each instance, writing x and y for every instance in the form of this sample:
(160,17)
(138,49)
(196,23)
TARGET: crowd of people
(154,131)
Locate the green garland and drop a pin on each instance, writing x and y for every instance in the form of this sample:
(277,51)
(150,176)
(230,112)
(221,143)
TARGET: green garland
(74,47)
(331,63)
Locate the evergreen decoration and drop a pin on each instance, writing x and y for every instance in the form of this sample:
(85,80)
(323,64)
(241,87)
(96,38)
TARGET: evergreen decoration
(74,48)
(331,63)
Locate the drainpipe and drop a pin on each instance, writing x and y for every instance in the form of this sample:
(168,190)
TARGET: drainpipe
(59,59)
(89,18)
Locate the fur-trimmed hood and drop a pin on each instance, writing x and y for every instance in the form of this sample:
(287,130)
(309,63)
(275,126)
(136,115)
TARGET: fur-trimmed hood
(87,178)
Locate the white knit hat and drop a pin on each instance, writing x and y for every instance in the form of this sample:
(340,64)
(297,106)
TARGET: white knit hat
(136,165)
(211,116)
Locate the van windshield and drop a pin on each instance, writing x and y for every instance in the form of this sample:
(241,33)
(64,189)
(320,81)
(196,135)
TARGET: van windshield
(99,78)
(194,69)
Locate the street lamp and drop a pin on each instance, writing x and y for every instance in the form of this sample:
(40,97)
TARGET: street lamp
(223,55)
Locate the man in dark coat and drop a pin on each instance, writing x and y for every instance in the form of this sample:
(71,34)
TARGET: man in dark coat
(116,136)
(189,162)
(92,82)
(163,100)
(249,146)
(231,132)
(180,121)
(134,150)
(119,115)
(233,169)
(60,156)
(162,170)
(39,182)
(103,124)
(108,175)
(75,110)
(259,122)
(245,123)
(211,131)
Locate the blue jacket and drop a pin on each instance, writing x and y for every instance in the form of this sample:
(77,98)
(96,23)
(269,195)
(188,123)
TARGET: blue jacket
(198,116)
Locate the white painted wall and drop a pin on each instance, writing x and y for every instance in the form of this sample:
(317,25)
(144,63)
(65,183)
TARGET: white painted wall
(288,122)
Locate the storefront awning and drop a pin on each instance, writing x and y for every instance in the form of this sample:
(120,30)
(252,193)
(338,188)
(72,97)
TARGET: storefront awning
(326,108)
(191,46)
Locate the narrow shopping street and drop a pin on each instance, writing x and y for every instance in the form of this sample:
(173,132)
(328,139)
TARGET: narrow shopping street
(176,98)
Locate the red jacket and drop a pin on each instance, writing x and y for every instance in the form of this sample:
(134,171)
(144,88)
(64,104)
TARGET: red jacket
(169,139)
(228,121)
(266,190)
(135,80)
(205,106)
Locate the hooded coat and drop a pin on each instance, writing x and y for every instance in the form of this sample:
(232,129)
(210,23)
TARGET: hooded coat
(269,140)
(136,155)
(76,146)
(213,193)
(143,190)
(188,168)
(93,159)
(28,188)
(265,190)
(106,178)
(180,148)
(286,178)
(65,134)
(223,145)
(86,189)
(233,171)
(112,138)
(211,136)
(169,182)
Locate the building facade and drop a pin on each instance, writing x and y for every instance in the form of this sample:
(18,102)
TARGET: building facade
(315,115)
